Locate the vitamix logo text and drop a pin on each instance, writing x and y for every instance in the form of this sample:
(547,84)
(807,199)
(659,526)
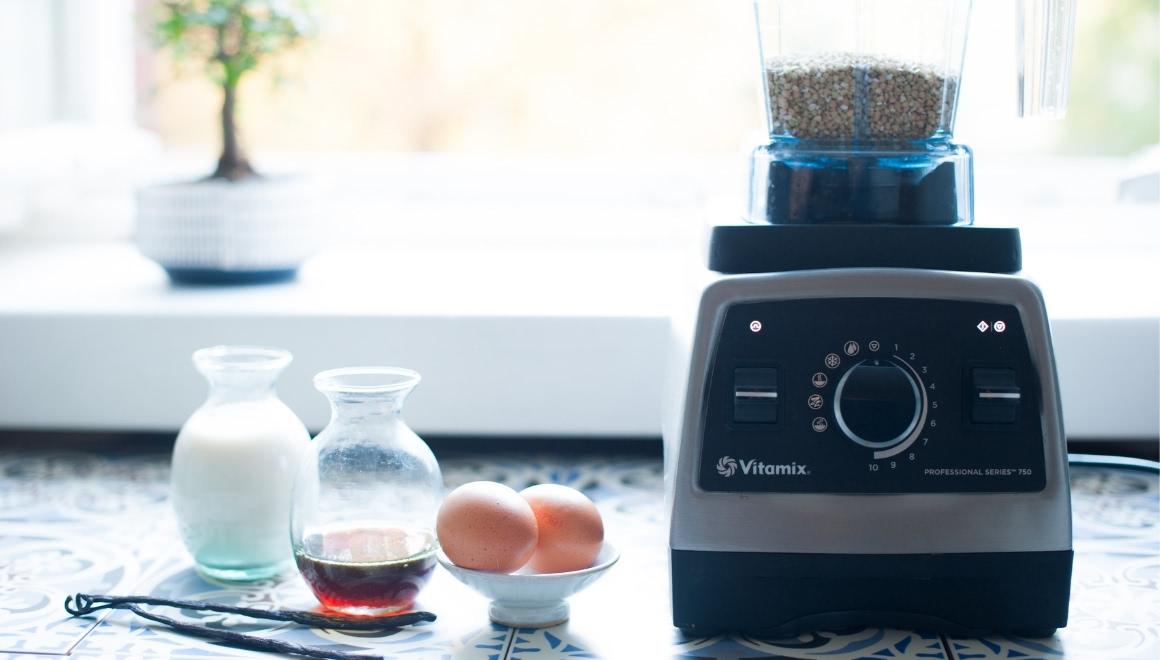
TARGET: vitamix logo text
(728,466)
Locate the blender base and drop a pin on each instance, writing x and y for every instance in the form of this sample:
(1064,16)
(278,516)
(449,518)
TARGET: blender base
(783,594)
(764,248)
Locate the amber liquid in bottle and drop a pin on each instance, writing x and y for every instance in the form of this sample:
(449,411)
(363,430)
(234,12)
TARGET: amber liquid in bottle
(366,570)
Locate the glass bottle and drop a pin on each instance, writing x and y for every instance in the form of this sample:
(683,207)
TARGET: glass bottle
(366,495)
(234,465)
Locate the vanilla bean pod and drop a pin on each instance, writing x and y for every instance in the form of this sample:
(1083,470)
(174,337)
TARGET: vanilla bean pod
(88,603)
(250,642)
(82,604)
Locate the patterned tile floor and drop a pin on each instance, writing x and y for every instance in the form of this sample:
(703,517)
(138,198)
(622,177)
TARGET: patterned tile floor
(76,521)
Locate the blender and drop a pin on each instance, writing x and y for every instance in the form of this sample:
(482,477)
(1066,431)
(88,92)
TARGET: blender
(866,426)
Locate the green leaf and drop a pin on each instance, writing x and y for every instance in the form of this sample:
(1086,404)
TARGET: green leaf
(232,37)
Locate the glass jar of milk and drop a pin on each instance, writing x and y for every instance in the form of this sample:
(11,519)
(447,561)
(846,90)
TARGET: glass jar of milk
(234,465)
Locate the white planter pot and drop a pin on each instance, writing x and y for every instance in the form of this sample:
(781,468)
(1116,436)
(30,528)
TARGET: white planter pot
(215,231)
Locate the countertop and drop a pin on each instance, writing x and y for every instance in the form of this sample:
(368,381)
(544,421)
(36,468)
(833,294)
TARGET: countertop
(82,521)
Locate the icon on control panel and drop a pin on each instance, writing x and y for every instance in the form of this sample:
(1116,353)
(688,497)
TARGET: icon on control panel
(819,380)
(851,348)
(755,326)
(983,326)
(832,360)
(727,466)
(1000,326)
(874,345)
(820,424)
(815,401)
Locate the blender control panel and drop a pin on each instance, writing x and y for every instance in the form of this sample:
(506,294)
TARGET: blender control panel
(872,395)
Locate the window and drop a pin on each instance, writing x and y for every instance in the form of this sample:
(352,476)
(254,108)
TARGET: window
(654,88)
(572,150)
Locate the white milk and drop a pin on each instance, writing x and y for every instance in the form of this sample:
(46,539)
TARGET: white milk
(233,471)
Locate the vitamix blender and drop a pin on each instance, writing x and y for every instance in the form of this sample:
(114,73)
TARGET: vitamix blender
(868,430)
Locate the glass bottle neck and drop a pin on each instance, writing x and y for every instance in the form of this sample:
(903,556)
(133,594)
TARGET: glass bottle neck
(367,408)
(233,386)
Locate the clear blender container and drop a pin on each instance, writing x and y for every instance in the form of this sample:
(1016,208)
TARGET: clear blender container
(860,99)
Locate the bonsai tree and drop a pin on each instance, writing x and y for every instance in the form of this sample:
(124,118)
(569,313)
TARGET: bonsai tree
(231,38)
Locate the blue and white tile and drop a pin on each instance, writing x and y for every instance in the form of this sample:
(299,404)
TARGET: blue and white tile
(71,522)
(74,521)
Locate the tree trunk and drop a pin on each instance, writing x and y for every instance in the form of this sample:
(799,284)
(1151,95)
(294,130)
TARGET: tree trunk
(233,164)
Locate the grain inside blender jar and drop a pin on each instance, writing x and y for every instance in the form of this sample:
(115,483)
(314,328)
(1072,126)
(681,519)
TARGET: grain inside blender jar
(840,96)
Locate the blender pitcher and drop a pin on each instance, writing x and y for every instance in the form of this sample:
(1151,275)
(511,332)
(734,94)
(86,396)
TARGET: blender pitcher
(860,99)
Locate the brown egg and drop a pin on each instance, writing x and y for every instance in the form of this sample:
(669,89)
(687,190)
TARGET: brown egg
(571,531)
(486,526)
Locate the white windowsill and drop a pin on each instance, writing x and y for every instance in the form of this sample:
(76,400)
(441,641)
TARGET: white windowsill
(528,340)
(93,337)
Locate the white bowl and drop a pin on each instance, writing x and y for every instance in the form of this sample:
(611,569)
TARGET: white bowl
(531,600)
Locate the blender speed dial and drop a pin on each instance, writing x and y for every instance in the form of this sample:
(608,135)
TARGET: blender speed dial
(880,403)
